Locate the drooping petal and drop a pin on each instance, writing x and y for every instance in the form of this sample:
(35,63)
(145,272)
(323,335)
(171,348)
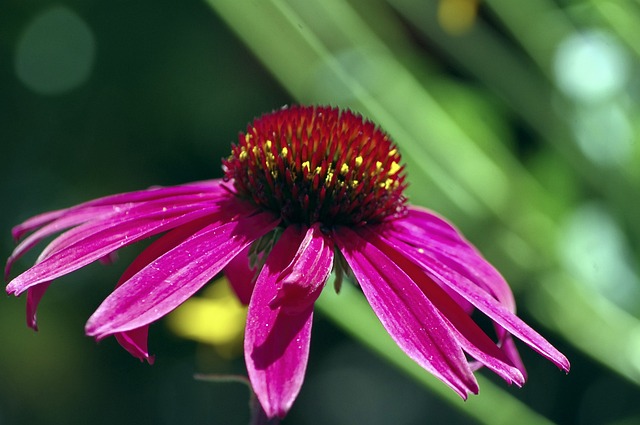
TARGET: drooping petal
(463,283)
(36,292)
(241,277)
(133,214)
(58,225)
(508,346)
(35,222)
(99,210)
(424,229)
(471,338)
(209,186)
(92,241)
(168,281)
(303,279)
(277,341)
(135,340)
(34,296)
(408,315)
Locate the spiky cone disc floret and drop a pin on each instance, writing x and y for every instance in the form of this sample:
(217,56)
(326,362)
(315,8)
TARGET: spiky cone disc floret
(318,165)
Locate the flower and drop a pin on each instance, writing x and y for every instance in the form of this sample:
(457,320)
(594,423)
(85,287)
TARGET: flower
(307,191)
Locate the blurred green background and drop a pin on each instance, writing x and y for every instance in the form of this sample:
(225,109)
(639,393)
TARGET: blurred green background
(518,120)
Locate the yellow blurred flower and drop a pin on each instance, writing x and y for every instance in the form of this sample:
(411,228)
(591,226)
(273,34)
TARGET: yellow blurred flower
(456,17)
(216,318)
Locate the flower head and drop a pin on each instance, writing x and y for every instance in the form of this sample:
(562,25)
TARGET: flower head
(307,190)
(317,165)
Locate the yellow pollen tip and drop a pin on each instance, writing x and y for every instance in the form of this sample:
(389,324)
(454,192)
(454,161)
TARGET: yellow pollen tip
(394,168)
(243,155)
(285,151)
(268,144)
(344,169)
(358,161)
(305,166)
(378,165)
(392,152)
(271,160)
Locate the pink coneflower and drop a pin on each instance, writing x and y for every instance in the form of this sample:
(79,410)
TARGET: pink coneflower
(307,190)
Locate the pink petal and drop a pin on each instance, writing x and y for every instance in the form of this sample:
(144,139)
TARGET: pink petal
(135,340)
(424,229)
(510,350)
(34,222)
(34,296)
(87,243)
(103,208)
(468,334)
(175,276)
(410,318)
(58,225)
(241,277)
(463,283)
(130,213)
(210,186)
(303,279)
(276,342)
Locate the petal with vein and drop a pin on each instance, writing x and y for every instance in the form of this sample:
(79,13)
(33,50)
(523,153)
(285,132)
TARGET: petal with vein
(96,242)
(242,278)
(422,229)
(123,216)
(276,342)
(209,186)
(303,279)
(135,340)
(468,334)
(464,285)
(34,296)
(410,318)
(172,278)
(455,250)
(58,225)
